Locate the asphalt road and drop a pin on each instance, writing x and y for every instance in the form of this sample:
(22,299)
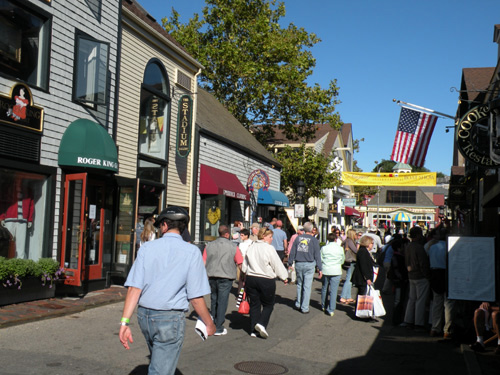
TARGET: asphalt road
(314,343)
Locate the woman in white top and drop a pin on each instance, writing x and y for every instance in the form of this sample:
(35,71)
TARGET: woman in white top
(149,232)
(332,259)
(262,265)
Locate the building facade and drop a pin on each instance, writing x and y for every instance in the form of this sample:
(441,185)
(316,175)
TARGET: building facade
(58,69)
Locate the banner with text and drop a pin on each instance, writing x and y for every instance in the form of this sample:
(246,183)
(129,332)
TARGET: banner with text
(389,179)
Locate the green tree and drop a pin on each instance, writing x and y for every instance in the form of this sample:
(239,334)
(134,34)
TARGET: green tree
(314,168)
(257,68)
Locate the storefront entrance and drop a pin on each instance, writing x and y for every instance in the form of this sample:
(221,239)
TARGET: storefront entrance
(86,229)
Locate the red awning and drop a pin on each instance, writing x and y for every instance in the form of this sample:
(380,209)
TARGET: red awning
(349,211)
(215,181)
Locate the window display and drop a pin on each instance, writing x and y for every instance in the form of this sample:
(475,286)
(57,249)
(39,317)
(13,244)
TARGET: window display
(22,214)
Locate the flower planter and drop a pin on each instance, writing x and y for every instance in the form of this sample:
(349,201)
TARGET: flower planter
(31,290)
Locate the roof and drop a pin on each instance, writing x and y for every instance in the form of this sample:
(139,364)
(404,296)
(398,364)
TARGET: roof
(322,130)
(214,119)
(422,200)
(346,130)
(140,12)
(475,80)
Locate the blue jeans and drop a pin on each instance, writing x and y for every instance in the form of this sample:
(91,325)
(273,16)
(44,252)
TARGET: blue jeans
(334,282)
(346,289)
(305,274)
(164,334)
(219,297)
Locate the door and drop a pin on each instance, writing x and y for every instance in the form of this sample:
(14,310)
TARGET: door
(73,228)
(84,228)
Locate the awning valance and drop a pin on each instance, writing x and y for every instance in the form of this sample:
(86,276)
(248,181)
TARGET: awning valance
(272,197)
(87,144)
(349,211)
(218,182)
(402,217)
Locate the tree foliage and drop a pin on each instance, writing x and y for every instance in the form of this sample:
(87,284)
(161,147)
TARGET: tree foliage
(257,68)
(312,167)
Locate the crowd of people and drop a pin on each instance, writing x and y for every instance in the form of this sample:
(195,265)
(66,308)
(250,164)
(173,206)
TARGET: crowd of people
(169,273)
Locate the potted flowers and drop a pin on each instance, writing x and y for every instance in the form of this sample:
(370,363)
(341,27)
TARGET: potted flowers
(24,280)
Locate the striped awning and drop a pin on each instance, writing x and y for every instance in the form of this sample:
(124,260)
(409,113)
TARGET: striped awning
(402,217)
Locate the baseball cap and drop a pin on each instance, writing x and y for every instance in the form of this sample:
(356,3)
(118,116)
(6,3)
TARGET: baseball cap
(373,228)
(300,227)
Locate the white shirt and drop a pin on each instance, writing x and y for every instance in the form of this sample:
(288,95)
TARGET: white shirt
(244,246)
(262,260)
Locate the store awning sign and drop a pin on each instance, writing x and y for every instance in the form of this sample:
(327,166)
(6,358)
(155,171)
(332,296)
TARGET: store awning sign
(17,109)
(184,125)
(87,144)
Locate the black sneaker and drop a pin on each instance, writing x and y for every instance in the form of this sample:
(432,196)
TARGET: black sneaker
(478,347)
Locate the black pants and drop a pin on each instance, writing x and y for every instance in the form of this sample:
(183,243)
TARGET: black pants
(261,292)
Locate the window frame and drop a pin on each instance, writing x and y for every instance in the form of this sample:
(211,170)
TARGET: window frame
(79,37)
(399,196)
(42,81)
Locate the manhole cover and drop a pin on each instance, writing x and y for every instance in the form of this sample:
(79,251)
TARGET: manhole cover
(260,368)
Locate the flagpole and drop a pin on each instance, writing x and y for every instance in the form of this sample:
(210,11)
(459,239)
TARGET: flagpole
(425,109)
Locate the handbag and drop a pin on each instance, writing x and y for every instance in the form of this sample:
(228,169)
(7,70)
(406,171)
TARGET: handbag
(244,305)
(364,306)
(378,305)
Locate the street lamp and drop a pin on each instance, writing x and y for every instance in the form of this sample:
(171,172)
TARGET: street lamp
(301,190)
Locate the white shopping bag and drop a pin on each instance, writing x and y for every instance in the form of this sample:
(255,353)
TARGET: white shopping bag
(378,305)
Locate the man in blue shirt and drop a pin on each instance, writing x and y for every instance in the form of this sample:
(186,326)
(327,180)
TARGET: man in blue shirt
(167,274)
(279,239)
(306,254)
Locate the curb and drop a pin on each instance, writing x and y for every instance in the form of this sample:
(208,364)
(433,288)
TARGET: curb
(79,306)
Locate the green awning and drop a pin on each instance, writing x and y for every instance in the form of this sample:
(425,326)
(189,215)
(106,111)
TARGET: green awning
(87,144)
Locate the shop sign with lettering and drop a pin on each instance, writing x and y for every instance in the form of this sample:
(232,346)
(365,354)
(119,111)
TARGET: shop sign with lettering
(472,137)
(17,109)
(184,124)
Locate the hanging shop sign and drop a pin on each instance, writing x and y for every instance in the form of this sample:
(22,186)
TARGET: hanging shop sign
(184,124)
(258,179)
(473,138)
(17,109)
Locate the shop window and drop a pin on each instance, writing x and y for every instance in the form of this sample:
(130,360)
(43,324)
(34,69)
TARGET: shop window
(24,46)
(213,215)
(154,112)
(150,171)
(23,206)
(90,76)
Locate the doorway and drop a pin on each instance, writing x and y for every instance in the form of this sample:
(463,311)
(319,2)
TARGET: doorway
(86,229)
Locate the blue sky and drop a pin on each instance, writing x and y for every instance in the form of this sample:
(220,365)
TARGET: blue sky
(413,51)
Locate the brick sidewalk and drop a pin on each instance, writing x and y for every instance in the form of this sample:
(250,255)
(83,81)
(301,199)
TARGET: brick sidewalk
(50,308)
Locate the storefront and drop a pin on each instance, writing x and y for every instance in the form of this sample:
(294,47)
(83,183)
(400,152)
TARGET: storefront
(221,194)
(232,167)
(88,158)
(26,187)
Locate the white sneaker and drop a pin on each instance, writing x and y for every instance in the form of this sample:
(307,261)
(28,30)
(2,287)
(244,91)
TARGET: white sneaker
(221,333)
(262,331)
(253,335)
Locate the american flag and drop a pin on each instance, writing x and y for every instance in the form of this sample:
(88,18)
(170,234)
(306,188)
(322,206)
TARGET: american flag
(413,136)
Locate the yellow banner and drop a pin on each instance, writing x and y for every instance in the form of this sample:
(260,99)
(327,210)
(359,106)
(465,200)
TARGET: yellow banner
(389,179)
